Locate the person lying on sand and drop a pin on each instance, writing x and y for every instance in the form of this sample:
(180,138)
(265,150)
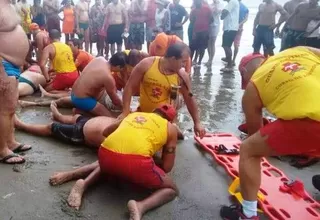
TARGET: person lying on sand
(127,153)
(72,129)
(30,80)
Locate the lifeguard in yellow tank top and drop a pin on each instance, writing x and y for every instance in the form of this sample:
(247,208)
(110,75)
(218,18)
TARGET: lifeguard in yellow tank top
(146,133)
(63,60)
(289,84)
(156,87)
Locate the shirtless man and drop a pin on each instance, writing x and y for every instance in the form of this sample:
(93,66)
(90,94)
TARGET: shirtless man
(289,7)
(127,154)
(77,129)
(30,80)
(90,91)
(117,21)
(159,79)
(122,64)
(13,51)
(82,22)
(264,25)
(41,39)
(51,9)
(81,58)
(286,84)
(298,22)
(61,58)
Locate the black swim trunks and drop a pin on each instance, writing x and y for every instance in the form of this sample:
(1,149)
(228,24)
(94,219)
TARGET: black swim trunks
(71,134)
(264,36)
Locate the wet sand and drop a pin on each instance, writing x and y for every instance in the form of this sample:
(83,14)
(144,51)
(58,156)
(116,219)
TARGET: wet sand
(25,193)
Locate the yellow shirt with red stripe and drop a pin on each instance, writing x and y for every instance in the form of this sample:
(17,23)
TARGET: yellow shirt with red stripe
(82,60)
(63,59)
(155,87)
(138,134)
(289,84)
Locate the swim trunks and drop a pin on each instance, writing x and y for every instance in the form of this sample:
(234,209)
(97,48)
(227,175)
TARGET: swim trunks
(64,80)
(293,137)
(72,134)
(84,104)
(136,169)
(293,38)
(264,36)
(114,34)
(84,26)
(11,69)
(24,80)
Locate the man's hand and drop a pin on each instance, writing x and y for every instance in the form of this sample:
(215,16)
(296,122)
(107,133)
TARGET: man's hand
(199,130)
(277,32)
(254,32)
(123,115)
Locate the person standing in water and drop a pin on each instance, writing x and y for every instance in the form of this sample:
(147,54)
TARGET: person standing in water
(96,16)
(25,14)
(179,16)
(82,22)
(265,24)
(117,21)
(38,15)
(68,25)
(52,9)
(216,9)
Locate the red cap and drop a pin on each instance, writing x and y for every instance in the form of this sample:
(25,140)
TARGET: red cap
(245,60)
(168,111)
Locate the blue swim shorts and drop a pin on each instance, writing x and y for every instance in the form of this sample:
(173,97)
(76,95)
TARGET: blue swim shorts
(84,104)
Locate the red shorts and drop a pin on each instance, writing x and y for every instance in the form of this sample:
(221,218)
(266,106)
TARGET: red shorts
(64,81)
(293,137)
(136,169)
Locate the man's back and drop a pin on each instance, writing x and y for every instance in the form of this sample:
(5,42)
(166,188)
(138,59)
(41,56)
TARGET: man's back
(62,60)
(288,84)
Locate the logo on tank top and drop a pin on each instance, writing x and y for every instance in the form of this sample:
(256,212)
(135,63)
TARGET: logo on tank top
(156,92)
(140,120)
(292,68)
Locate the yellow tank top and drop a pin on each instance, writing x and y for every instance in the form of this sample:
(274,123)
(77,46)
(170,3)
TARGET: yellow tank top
(155,88)
(63,59)
(289,84)
(139,134)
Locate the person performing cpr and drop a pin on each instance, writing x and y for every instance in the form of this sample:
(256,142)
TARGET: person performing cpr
(127,154)
(287,85)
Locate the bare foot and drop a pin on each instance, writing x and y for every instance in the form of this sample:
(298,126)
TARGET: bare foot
(60,178)
(24,104)
(43,91)
(55,113)
(135,213)
(75,197)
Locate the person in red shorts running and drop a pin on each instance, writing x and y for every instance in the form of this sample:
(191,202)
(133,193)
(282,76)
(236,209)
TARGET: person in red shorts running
(64,70)
(287,85)
(127,153)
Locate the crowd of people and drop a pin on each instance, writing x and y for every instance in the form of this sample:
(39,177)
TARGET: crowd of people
(128,140)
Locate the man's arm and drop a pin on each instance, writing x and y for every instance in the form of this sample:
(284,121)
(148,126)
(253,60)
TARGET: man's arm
(43,61)
(284,16)
(133,83)
(226,10)
(169,150)
(126,19)
(186,16)
(256,19)
(111,128)
(40,47)
(314,50)
(252,108)
(111,90)
(245,18)
(77,17)
(188,98)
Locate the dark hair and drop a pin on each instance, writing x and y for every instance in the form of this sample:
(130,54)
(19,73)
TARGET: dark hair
(76,42)
(176,50)
(118,59)
(54,34)
(64,2)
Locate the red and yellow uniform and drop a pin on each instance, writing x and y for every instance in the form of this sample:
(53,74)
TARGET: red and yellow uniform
(82,60)
(161,44)
(288,85)
(155,87)
(128,151)
(64,67)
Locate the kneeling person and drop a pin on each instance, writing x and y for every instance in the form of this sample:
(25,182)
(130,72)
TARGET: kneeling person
(286,84)
(90,91)
(81,57)
(127,153)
